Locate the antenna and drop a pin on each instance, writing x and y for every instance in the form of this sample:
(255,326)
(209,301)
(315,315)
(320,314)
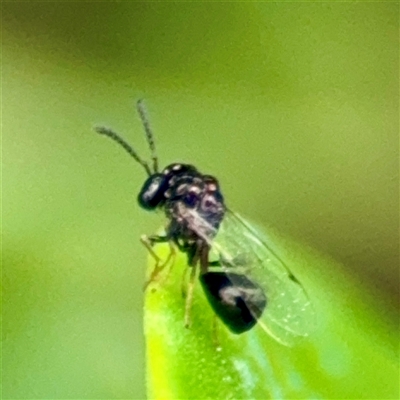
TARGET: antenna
(102,130)
(149,134)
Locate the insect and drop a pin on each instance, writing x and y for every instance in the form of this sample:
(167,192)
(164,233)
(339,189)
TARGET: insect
(243,279)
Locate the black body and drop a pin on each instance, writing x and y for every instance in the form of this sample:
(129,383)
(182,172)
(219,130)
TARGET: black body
(194,206)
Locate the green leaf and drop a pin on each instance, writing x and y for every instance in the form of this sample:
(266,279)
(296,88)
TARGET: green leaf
(350,354)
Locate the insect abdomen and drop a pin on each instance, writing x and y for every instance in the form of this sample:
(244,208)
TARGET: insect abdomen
(238,304)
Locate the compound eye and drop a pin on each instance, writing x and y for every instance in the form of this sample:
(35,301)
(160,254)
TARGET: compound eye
(152,193)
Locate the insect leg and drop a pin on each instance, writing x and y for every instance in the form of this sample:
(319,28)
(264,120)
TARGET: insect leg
(189,295)
(192,252)
(183,283)
(150,241)
(160,264)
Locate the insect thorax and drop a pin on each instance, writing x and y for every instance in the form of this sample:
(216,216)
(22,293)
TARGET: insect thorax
(192,202)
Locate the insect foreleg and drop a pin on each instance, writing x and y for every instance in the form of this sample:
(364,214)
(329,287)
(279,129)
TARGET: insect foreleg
(160,264)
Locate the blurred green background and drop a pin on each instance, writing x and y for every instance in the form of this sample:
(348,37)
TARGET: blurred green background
(294,106)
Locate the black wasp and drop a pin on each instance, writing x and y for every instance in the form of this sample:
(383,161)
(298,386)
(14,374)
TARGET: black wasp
(243,279)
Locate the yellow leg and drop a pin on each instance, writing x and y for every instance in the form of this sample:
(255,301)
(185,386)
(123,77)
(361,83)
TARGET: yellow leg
(189,296)
(159,263)
(184,283)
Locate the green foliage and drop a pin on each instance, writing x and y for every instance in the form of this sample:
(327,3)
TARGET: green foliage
(337,360)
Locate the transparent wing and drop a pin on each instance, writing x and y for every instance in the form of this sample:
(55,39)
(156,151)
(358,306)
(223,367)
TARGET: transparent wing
(241,250)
